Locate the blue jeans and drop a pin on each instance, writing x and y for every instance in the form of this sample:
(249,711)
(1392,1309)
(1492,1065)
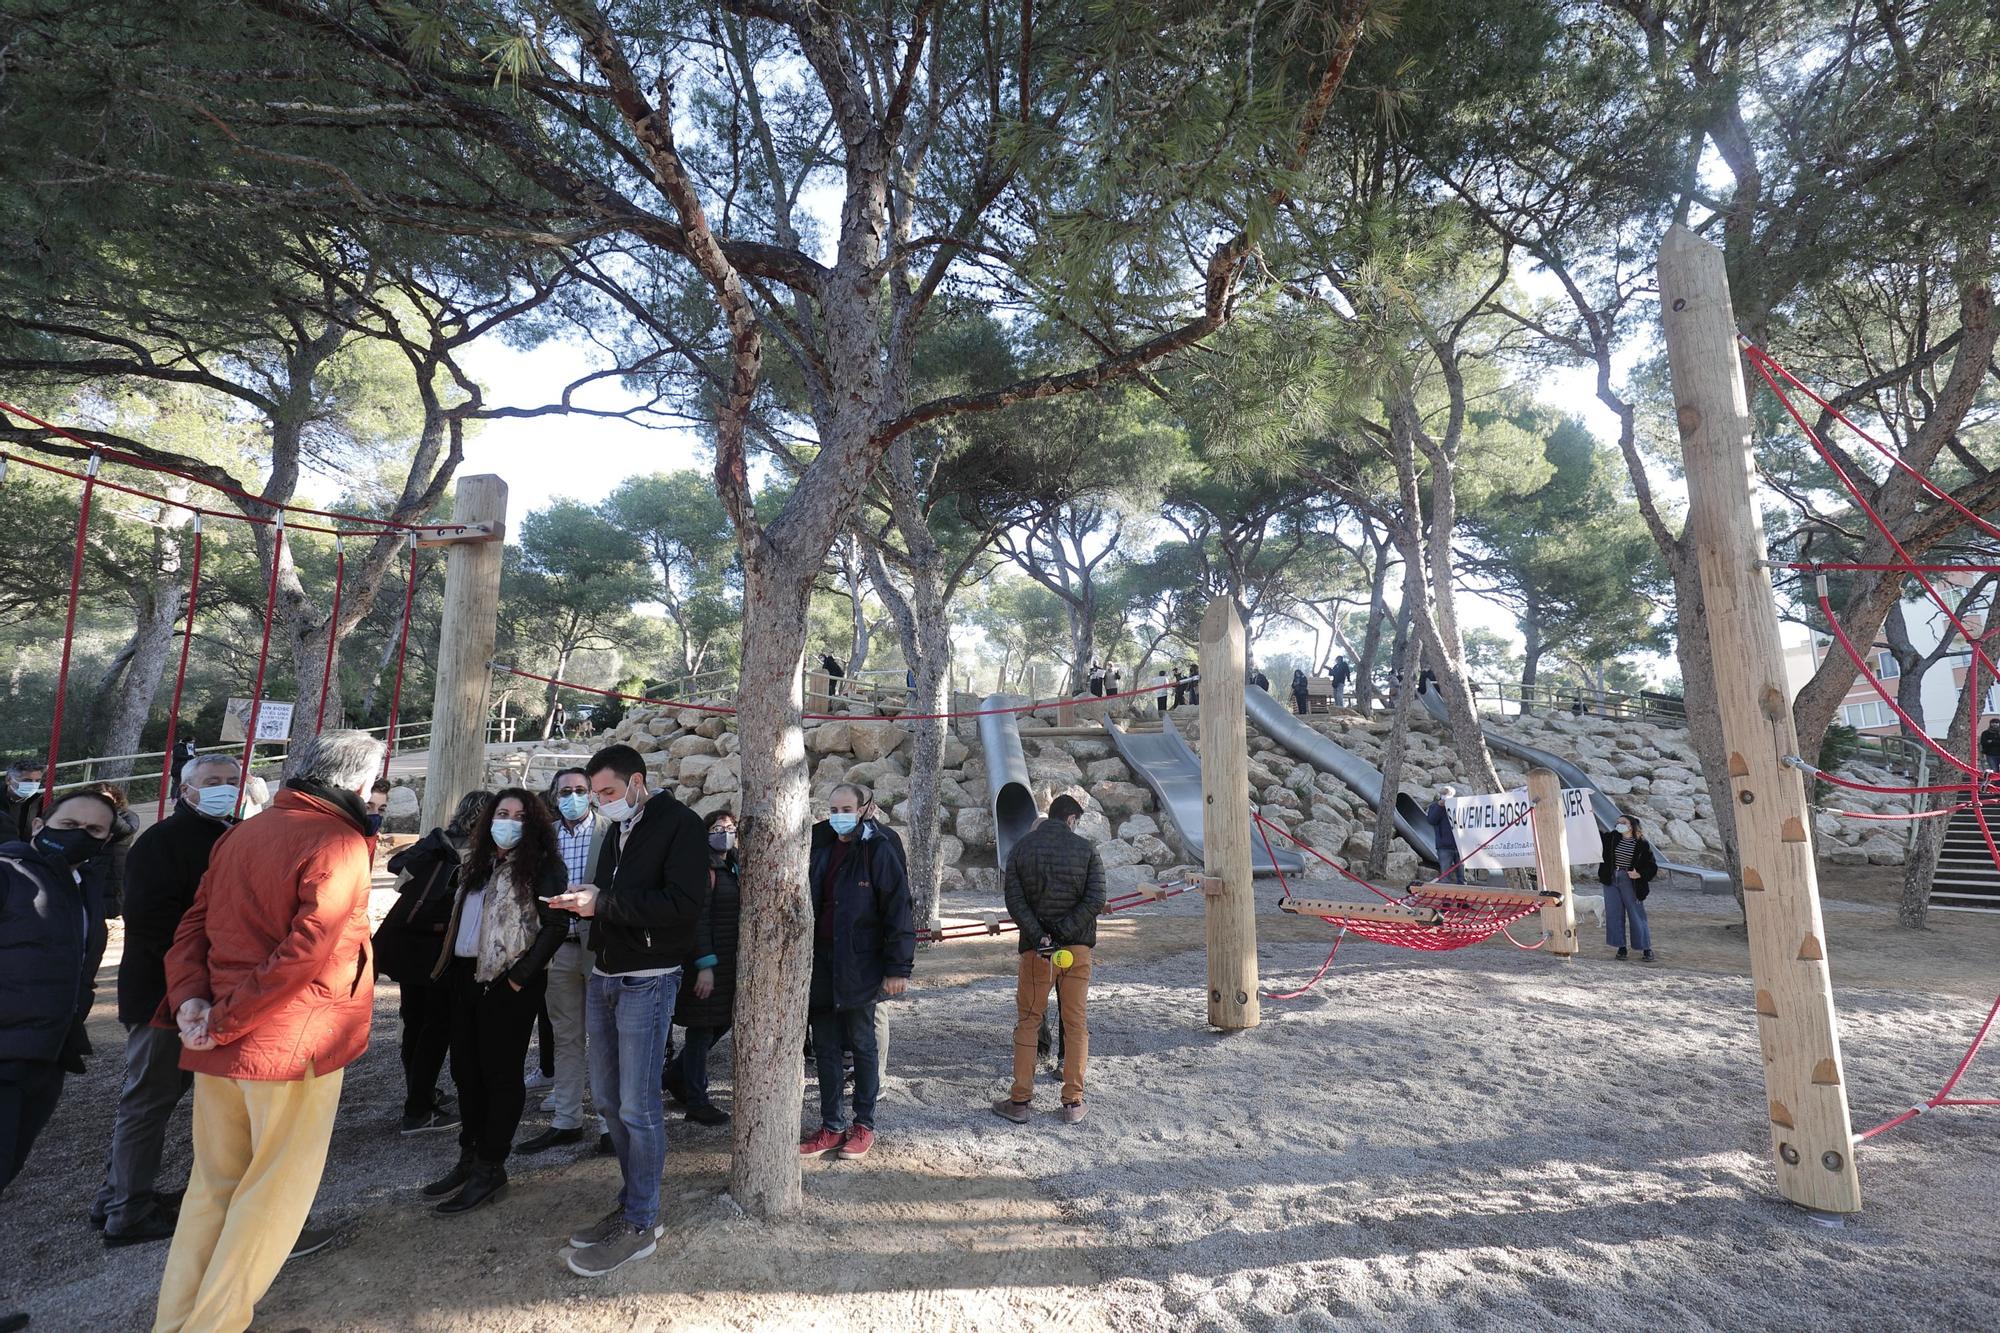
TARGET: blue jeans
(692,1062)
(628,1020)
(1620,901)
(835,1031)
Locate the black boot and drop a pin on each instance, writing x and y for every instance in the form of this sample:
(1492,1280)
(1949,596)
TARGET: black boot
(489,1182)
(455,1178)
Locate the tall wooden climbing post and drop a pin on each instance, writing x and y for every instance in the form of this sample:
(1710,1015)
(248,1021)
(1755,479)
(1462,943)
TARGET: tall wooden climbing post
(1552,861)
(1225,823)
(465,644)
(1812,1139)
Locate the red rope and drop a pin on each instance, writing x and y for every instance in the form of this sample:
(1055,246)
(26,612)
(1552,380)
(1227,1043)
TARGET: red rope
(180,673)
(728,711)
(1294,994)
(132,460)
(1867,673)
(170,502)
(1943,1095)
(332,634)
(263,657)
(402,655)
(69,635)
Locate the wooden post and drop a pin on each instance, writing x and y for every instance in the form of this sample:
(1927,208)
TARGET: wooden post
(819,692)
(1812,1140)
(465,650)
(1225,823)
(1552,861)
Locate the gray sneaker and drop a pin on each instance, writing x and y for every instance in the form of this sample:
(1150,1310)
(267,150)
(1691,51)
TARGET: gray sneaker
(630,1243)
(606,1228)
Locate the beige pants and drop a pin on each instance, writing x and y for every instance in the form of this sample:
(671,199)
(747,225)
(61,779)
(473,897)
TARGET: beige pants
(259,1150)
(1031,998)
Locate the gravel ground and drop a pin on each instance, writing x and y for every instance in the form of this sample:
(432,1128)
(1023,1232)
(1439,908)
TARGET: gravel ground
(1484,1139)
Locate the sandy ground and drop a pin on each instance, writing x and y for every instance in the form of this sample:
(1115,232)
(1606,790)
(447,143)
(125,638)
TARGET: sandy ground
(1484,1139)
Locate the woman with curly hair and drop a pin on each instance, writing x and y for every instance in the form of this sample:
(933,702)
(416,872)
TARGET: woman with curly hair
(494,961)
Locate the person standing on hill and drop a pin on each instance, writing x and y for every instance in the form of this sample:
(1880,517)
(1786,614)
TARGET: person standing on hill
(1300,691)
(1096,678)
(1445,835)
(835,673)
(1339,674)
(1055,889)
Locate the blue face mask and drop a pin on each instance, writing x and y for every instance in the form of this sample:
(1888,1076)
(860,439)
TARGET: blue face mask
(506,832)
(574,806)
(843,821)
(217,801)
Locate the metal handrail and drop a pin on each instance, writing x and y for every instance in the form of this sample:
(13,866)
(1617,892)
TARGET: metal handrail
(419,729)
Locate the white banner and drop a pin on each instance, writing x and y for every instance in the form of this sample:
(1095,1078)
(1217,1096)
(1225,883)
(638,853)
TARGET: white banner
(1476,818)
(274,719)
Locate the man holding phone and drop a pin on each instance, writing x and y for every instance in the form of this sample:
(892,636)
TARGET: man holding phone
(643,904)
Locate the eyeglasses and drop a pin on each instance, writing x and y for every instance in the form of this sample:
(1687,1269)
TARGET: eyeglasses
(572,791)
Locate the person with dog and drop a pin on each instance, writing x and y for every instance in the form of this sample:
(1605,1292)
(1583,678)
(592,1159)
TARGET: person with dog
(1627,873)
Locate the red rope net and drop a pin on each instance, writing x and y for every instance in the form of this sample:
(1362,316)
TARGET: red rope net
(1979,783)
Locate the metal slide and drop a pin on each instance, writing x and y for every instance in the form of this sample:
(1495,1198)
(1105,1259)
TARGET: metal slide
(1173,771)
(1009,796)
(1268,715)
(1606,809)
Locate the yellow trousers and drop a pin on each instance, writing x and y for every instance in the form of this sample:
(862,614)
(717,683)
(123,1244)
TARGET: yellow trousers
(259,1150)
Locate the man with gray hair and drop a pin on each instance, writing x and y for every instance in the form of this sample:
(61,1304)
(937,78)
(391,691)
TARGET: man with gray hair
(162,871)
(269,983)
(20,799)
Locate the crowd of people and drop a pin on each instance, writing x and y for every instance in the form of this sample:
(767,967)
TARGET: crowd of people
(607,908)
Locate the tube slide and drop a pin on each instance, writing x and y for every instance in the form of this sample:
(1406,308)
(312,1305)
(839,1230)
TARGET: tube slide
(1300,741)
(1173,771)
(1606,809)
(1010,797)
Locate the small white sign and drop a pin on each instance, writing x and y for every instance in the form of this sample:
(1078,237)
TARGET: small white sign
(1476,818)
(274,720)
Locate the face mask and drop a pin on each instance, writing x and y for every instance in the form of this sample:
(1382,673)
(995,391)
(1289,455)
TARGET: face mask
(1624,830)
(722,839)
(574,806)
(506,832)
(621,809)
(72,845)
(843,821)
(374,823)
(24,790)
(216,800)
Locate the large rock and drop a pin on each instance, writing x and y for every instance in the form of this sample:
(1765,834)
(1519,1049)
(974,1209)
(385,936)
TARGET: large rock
(723,775)
(1124,879)
(1106,770)
(1094,826)
(950,850)
(955,753)
(832,738)
(1680,833)
(683,746)
(404,803)
(974,826)
(1055,767)
(1135,826)
(712,726)
(874,740)
(1327,837)
(708,805)
(1883,850)
(1116,853)
(983,881)
(1086,747)
(954,795)
(871,772)
(1120,799)
(694,768)
(659,726)
(1283,796)
(1671,807)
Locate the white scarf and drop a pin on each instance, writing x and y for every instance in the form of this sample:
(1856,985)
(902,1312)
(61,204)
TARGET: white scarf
(506,926)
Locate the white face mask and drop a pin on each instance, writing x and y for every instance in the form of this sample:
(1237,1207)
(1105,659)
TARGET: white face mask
(621,809)
(24,790)
(1624,830)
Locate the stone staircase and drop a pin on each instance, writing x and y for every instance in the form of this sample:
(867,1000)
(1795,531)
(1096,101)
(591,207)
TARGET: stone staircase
(1967,880)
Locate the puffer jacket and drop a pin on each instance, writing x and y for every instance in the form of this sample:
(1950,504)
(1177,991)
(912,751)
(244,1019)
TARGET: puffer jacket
(52,937)
(1055,886)
(277,942)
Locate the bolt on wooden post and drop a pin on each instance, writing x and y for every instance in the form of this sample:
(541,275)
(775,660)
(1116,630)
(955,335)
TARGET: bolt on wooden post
(1552,861)
(1225,823)
(465,645)
(1812,1139)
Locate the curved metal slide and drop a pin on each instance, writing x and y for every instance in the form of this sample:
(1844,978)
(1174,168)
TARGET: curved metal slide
(1009,795)
(1172,770)
(1361,777)
(1606,809)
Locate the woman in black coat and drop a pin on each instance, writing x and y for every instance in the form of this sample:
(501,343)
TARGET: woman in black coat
(1627,874)
(494,960)
(705,1006)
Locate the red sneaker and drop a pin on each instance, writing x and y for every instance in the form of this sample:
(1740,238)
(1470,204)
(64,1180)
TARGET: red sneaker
(857,1143)
(822,1140)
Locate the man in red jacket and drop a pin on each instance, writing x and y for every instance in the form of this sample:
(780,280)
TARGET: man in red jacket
(270,984)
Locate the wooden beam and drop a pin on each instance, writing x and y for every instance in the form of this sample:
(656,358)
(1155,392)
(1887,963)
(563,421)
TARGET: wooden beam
(1812,1137)
(1393,913)
(460,534)
(465,650)
(1225,824)
(1552,861)
(1474,893)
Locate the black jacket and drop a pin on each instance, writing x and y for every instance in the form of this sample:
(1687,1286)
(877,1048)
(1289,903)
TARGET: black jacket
(1055,886)
(649,893)
(161,874)
(1339,672)
(554,926)
(1644,865)
(52,937)
(1443,831)
(1989,743)
(873,936)
(406,943)
(715,937)
(16,813)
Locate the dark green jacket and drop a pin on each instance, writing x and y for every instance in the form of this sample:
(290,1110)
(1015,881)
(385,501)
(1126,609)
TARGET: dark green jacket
(1055,886)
